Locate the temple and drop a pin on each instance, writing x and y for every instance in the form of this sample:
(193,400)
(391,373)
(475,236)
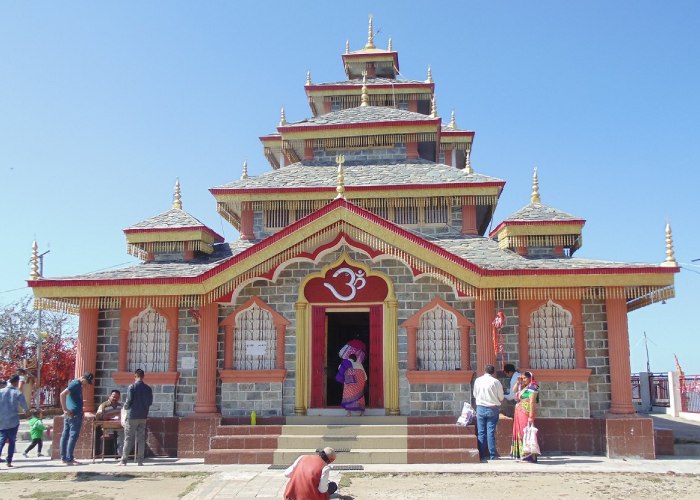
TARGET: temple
(371,224)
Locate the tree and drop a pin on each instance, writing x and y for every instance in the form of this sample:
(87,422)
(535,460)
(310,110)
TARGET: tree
(18,343)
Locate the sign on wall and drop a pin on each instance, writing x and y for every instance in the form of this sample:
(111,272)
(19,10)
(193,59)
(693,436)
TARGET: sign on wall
(346,283)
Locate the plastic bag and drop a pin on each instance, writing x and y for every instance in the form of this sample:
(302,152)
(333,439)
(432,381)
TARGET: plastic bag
(530,444)
(122,416)
(467,416)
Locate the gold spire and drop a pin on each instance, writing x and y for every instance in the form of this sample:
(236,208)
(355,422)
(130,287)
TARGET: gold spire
(670,257)
(340,159)
(283,118)
(177,197)
(308,78)
(433,108)
(34,263)
(347,46)
(535,196)
(244,175)
(390,49)
(468,162)
(370,36)
(364,99)
(430,76)
(453,123)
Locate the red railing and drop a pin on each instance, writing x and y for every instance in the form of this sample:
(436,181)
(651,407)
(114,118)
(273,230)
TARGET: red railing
(690,393)
(658,389)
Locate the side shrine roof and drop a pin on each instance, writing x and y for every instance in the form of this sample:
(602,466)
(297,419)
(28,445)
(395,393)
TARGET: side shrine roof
(311,174)
(540,212)
(174,218)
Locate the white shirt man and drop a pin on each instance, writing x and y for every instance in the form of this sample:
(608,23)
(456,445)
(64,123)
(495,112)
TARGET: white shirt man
(488,393)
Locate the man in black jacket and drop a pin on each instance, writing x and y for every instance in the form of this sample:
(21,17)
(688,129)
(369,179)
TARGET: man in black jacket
(139,398)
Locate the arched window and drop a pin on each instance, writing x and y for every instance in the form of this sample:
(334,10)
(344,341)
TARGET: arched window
(437,341)
(149,342)
(255,340)
(550,338)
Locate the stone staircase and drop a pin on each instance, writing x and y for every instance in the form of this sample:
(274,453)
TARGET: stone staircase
(359,440)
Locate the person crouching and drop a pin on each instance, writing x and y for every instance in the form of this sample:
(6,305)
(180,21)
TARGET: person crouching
(309,477)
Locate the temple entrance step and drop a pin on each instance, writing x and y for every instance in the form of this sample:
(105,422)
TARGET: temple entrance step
(366,443)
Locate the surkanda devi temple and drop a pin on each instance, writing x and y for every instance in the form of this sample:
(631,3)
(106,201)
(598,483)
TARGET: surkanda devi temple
(371,226)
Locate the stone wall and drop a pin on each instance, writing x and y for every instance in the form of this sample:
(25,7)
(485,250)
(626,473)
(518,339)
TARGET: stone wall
(563,400)
(430,400)
(107,354)
(597,356)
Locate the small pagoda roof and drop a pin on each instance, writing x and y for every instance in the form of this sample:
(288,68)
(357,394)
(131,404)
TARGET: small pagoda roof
(539,212)
(174,218)
(374,115)
(315,174)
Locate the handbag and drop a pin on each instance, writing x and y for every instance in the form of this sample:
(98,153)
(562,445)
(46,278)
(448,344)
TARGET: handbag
(530,444)
(467,415)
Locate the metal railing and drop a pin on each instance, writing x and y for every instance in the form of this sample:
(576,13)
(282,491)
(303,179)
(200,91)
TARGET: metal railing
(690,393)
(658,389)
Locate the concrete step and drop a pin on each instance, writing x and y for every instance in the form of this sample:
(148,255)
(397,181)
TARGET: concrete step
(343,420)
(248,430)
(387,456)
(686,449)
(239,457)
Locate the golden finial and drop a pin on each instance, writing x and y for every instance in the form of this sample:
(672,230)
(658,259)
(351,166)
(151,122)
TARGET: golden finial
(283,118)
(390,49)
(433,108)
(177,197)
(340,159)
(370,36)
(670,257)
(430,76)
(244,175)
(308,78)
(535,196)
(453,123)
(468,162)
(34,263)
(347,46)
(364,98)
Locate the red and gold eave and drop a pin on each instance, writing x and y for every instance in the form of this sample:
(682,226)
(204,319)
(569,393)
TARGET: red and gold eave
(342,222)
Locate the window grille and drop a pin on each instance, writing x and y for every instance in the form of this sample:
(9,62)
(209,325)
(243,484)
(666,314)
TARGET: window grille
(550,337)
(336,103)
(149,343)
(406,215)
(436,214)
(438,341)
(255,340)
(277,218)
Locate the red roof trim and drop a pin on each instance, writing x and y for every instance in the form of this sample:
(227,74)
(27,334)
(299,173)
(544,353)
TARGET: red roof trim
(342,203)
(216,236)
(419,85)
(458,133)
(270,138)
(536,223)
(329,189)
(343,126)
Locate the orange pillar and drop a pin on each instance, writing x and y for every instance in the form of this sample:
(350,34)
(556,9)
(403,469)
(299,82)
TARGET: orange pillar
(247,232)
(469,219)
(485,312)
(86,353)
(619,352)
(206,360)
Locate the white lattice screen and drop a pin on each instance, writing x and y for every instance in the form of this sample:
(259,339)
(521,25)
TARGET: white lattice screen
(437,341)
(149,342)
(255,340)
(550,338)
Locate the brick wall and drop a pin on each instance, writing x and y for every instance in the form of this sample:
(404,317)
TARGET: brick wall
(596,342)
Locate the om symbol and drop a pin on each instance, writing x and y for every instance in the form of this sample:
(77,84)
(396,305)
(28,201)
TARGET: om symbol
(356,281)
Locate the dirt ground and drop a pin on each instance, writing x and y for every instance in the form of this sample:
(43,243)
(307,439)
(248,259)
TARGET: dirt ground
(92,486)
(545,486)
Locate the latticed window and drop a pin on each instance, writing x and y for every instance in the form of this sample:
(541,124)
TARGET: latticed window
(336,103)
(436,214)
(277,218)
(438,341)
(550,338)
(149,342)
(406,215)
(255,340)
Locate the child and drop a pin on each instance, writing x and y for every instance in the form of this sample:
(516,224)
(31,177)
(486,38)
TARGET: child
(36,429)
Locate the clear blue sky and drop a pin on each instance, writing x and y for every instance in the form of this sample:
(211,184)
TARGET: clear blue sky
(103,105)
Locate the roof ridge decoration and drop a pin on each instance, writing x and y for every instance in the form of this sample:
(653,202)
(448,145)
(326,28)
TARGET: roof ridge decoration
(468,162)
(535,196)
(670,256)
(364,98)
(340,159)
(430,75)
(283,118)
(370,35)
(244,175)
(308,77)
(177,196)
(389,48)
(433,108)
(347,46)
(34,263)
(453,123)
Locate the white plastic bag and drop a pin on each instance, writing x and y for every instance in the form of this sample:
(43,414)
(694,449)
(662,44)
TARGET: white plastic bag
(530,444)
(467,416)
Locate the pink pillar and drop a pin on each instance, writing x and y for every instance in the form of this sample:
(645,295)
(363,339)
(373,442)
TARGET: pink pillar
(469,219)
(206,360)
(86,353)
(247,232)
(619,352)
(485,312)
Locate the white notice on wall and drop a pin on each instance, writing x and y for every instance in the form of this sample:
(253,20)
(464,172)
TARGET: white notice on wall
(255,347)
(187,363)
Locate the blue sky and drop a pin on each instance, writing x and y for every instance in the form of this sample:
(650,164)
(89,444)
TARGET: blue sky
(103,105)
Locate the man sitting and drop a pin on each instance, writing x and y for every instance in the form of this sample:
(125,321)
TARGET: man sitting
(111,410)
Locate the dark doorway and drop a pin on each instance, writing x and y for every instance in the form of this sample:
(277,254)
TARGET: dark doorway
(343,327)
